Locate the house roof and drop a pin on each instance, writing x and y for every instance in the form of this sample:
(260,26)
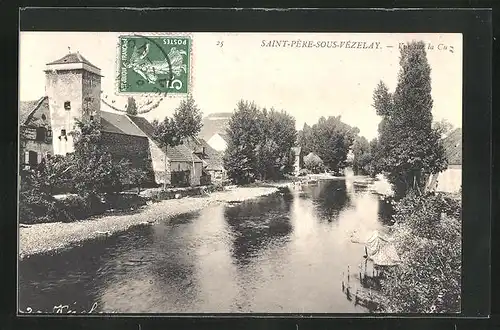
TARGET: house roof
(453,147)
(116,123)
(213,159)
(213,126)
(27,108)
(72,58)
(224,136)
(179,153)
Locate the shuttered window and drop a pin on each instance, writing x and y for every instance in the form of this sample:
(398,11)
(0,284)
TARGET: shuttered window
(33,158)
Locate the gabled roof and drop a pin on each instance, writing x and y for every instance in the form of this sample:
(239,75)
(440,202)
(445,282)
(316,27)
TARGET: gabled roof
(27,108)
(453,147)
(213,160)
(179,153)
(116,123)
(72,58)
(224,136)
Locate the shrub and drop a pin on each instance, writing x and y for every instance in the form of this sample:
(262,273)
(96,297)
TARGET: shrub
(304,172)
(124,201)
(73,207)
(427,236)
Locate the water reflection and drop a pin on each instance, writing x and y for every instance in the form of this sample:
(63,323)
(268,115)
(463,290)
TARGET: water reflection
(256,225)
(330,197)
(281,253)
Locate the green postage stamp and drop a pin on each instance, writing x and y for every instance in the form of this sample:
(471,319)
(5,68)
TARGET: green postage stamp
(154,64)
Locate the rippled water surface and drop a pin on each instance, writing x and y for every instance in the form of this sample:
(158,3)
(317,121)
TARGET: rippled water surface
(283,253)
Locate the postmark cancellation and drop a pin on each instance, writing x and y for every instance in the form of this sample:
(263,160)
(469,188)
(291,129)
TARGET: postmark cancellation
(154,65)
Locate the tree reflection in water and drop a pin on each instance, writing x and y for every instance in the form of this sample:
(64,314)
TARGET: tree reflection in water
(257,224)
(330,198)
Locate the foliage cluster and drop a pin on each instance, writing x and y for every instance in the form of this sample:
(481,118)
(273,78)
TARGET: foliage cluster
(90,172)
(260,144)
(330,139)
(427,235)
(409,148)
(365,155)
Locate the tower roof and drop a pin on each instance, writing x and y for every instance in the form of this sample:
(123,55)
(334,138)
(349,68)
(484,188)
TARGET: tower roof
(73,58)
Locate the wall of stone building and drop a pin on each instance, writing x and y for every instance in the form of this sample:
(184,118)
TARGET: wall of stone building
(41,148)
(133,148)
(77,87)
(158,163)
(91,92)
(195,172)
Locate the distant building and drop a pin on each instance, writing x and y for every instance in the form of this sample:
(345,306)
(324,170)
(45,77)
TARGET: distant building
(218,141)
(450,180)
(73,87)
(297,153)
(214,130)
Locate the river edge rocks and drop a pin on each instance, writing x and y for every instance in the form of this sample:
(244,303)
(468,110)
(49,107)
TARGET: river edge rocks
(55,236)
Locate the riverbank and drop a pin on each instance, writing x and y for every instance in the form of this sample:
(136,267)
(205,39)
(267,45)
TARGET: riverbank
(46,237)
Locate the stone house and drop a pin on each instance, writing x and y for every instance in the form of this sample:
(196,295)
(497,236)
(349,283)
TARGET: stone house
(35,131)
(73,92)
(450,180)
(212,159)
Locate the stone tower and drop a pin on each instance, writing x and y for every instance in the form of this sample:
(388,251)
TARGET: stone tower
(73,87)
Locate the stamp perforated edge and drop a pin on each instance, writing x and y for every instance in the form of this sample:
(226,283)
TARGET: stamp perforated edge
(190,57)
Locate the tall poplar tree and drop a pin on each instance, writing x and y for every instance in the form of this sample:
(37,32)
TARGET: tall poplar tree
(410,149)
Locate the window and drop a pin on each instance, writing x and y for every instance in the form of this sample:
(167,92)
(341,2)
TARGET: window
(40,134)
(67,105)
(32,158)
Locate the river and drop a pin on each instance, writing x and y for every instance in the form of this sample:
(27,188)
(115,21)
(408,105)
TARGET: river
(284,253)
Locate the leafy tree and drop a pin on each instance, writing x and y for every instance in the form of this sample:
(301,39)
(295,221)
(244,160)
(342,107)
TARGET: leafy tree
(331,141)
(135,176)
(171,132)
(260,143)
(444,127)
(131,107)
(94,171)
(409,148)
(362,156)
(313,163)
(305,140)
(244,133)
(278,136)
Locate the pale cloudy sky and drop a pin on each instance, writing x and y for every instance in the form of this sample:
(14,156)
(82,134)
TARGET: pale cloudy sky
(306,82)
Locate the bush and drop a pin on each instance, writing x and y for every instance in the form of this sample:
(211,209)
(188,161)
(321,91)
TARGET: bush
(313,163)
(124,201)
(73,207)
(427,236)
(304,172)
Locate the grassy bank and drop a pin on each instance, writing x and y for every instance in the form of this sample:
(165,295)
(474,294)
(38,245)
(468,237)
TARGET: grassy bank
(45,237)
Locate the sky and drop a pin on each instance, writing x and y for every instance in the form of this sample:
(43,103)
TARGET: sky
(306,82)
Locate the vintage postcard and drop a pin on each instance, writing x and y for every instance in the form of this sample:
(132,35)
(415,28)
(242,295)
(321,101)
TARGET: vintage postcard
(240,173)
